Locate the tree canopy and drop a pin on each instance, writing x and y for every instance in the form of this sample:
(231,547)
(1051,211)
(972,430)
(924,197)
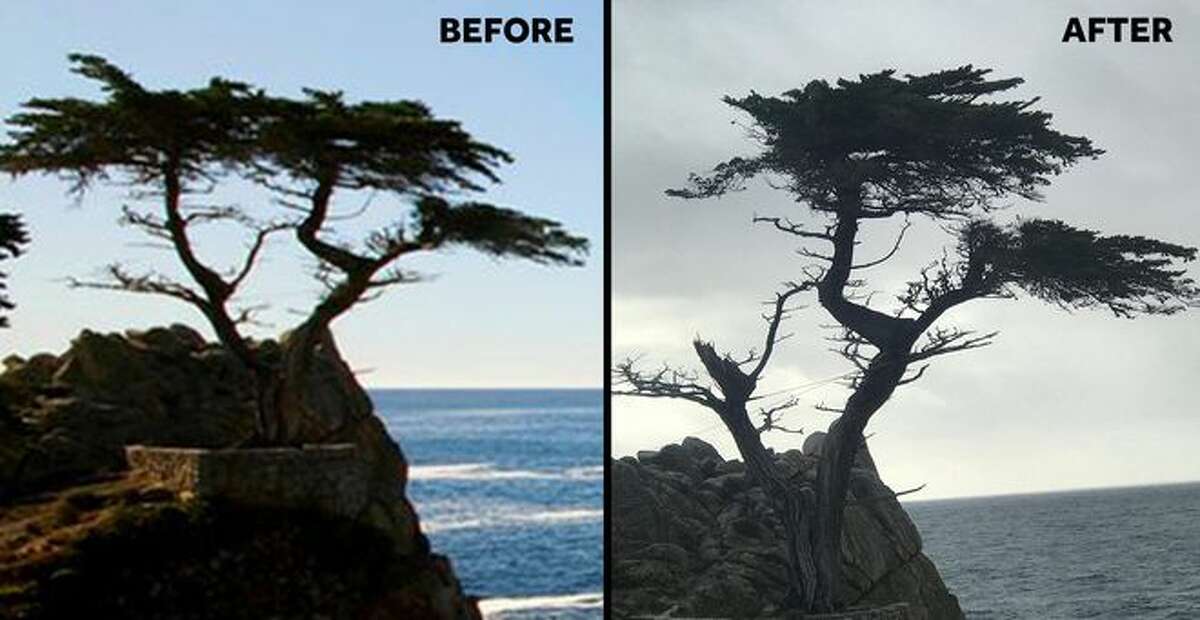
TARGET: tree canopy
(913,144)
(883,146)
(170,146)
(1075,268)
(149,135)
(935,145)
(13,239)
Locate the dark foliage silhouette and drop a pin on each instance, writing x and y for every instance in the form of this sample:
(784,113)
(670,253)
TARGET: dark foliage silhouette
(173,147)
(885,146)
(13,239)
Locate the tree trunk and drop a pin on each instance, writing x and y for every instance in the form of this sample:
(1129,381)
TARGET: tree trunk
(281,384)
(266,414)
(833,474)
(792,504)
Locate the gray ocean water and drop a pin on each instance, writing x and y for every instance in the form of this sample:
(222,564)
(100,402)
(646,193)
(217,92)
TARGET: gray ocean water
(1111,553)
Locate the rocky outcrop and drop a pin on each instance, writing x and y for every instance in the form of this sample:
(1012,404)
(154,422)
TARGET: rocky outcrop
(693,536)
(70,416)
(120,548)
(65,418)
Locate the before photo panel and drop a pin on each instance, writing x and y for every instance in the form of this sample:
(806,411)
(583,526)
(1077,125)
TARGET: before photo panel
(302,310)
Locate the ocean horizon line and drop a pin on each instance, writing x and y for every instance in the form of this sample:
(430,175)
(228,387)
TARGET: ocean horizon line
(1063,491)
(598,388)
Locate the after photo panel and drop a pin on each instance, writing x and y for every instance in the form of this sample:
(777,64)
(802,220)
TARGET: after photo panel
(904,310)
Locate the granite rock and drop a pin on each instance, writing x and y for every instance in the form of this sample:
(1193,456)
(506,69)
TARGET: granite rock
(711,546)
(68,418)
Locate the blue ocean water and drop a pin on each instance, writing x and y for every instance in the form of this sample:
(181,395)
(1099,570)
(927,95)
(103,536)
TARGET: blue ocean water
(1111,553)
(509,485)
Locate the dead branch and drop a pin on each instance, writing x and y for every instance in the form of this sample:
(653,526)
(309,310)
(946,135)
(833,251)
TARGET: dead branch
(149,283)
(667,382)
(780,312)
(891,253)
(876,498)
(913,377)
(770,417)
(949,340)
(788,226)
(260,237)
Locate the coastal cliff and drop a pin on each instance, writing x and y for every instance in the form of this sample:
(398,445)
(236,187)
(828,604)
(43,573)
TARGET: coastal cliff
(65,422)
(693,536)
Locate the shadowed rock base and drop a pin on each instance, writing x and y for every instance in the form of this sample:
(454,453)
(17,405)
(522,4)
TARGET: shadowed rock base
(65,419)
(692,537)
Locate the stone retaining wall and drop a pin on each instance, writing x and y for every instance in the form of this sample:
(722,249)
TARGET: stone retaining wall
(329,478)
(898,611)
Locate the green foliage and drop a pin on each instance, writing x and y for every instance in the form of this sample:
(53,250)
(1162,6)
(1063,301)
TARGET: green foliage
(1078,268)
(296,147)
(917,144)
(883,146)
(142,133)
(13,239)
(495,231)
(393,145)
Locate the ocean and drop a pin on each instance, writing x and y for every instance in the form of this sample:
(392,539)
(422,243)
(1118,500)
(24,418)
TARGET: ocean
(1128,553)
(509,485)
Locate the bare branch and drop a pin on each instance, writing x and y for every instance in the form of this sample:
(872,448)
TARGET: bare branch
(788,226)
(667,382)
(770,417)
(949,340)
(891,253)
(876,498)
(148,283)
(318,210)
(822,407)
(245,315)
(203,214)
(396,276)
(807,253)
(150,224)
(260,238)
(780,311)
(915,376)
(355,213)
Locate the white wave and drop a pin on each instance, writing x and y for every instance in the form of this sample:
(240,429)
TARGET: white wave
(590,472)
(568,515)
(488,471)
(474,471)
(430,527)
(552,516)
(586,600)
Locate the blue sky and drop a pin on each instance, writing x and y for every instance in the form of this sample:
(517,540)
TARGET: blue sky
(479,322)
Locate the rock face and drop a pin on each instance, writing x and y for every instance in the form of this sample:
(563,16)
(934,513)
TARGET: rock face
(71,415)
(67,417)
(117,548)
(692,536)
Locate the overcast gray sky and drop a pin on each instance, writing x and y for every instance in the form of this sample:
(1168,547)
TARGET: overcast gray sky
(1061,400)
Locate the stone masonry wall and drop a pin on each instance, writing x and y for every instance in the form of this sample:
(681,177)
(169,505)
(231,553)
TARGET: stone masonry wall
(329,478)
(897,611)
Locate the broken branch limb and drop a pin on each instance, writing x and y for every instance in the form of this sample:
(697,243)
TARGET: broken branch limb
(876,498)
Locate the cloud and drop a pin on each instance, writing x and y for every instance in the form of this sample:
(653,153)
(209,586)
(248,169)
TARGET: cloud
(1061,400)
